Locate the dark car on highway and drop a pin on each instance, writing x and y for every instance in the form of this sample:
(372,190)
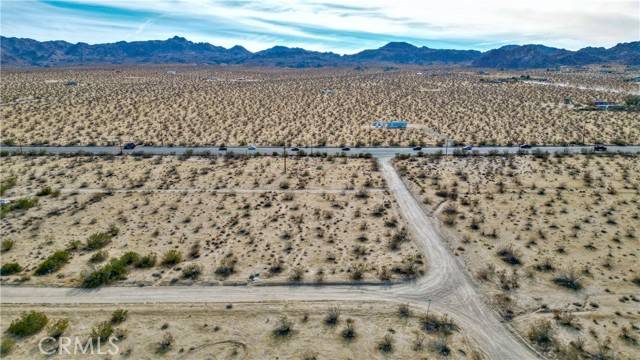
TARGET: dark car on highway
(599,148)
(295,149)
(222,148)
(346,149)
(417,148)
(525,146)
(129,146)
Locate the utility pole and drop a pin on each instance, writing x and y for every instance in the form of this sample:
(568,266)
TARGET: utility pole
(428,307)
(284,156)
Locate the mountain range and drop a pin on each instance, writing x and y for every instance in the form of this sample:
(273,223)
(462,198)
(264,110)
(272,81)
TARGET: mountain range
(19,52)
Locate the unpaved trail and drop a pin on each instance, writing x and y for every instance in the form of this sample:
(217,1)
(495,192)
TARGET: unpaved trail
(446,287)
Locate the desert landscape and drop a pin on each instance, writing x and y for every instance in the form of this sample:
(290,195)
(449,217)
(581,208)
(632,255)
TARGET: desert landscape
(233,105)
(303,330)
(552,239)
(320,180)
(186,220)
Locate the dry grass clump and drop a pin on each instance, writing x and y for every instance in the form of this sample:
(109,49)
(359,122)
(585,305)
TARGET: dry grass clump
(563,226)
(146,105)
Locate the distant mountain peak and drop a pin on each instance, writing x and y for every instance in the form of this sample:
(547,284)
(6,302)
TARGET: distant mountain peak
(177,38)
(399,45)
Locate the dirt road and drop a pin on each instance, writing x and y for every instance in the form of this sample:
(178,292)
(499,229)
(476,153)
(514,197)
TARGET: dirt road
(446,287)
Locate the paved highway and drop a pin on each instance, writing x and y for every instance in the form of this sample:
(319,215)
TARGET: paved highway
(374,151)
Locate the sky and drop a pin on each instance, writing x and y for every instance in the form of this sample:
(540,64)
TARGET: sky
(343,27)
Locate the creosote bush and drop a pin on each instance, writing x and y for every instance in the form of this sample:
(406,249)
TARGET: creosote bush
(509,255)
(119,316)
(226,267)
(48,191)
(349,332)
(568,279)
(332,316)
(17,205)
(432,323)
(6,184)
(53,263)
(99,257)
(115,270)
(542,334)
(98,241)
(10,269)
(58,328)
(6,245)
(171,258)
(404,311)
(441,346)
(386,344)
(191,271)
(28,324)
(166,344)
(6,346)
(284,328)
(147,261)
(101,331)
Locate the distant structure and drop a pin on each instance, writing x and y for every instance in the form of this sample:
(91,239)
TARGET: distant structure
(171,72)
(71,83)
(603,105)
(328,91)
(399,124)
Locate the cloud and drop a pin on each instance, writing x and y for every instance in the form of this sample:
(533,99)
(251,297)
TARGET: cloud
(329,25)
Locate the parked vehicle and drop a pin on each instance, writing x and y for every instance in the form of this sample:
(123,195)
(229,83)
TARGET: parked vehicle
(129,146)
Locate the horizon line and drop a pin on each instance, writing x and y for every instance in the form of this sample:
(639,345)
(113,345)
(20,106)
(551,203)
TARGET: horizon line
(325,52)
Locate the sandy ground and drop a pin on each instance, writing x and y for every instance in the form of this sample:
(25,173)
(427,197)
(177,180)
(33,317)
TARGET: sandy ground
(237,106)
(269,236)
(445,288)
(557,215)
(194,173)
(244,331)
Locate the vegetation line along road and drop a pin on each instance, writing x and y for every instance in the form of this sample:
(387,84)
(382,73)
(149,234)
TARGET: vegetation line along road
(445,287)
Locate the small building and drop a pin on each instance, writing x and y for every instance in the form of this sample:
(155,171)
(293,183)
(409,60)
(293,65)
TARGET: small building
(171,72)
(397,125)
